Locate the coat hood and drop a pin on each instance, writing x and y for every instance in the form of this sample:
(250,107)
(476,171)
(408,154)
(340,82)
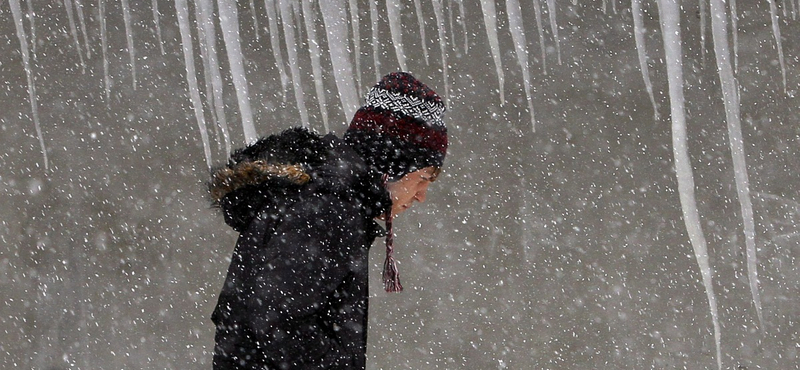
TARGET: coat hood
(288,165)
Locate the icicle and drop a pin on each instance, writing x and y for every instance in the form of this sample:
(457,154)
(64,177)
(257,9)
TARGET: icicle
(295,6)
(735,32)
(334,17)
(517,29)
(291,51)
(373,14)
(82,22)
(274,41)
(730,94)
(101,10)
(204,10)
(204,57)
(181,7)
(126,15)
(702,5)
(551,11)
(316,66)
(776,31)
(32,19)
(74,32)
(255,18)
(437,11)
(462,19)
(16,13)
(157,23)
(354,19)
(638,34)
(393,12)
(490,22)
(451,27)
(537,10)
(229,23)
(421,21)
(669,14)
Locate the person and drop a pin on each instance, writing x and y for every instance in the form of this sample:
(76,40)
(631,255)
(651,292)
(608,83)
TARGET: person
(307,209)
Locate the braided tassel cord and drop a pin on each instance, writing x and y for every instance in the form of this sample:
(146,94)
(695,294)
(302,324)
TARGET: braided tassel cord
(391,277)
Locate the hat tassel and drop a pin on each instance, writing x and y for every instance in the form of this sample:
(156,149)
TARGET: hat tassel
(391,277)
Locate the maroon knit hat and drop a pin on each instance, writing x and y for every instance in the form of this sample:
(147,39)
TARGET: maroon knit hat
(398,131)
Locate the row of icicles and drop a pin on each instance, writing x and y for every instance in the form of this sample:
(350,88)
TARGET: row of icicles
(338,26)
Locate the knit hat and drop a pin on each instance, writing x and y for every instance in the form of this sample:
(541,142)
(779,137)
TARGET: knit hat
(398,131)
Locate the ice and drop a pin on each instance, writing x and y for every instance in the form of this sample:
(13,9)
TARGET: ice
(776,31)
(157,24)
(181,8)
(334,17)
(730,94)
(451,25)
(101,10)
(208,48)
(255,19)
(376,44)
(641,49)
(82,23)
(735,33)
(462,20)
(126,16)
(16,13)
(490,23)
(537,10)
(274,41)
(669,16)
(702,6)
(356,26)
(229,23)
(31,15)
(291,51)
(421,21)
(518,36)
(551,11)
(393,12)
(437,11)
(74,32)
(316,66)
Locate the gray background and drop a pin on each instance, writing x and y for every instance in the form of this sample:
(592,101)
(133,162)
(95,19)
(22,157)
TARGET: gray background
(562,248)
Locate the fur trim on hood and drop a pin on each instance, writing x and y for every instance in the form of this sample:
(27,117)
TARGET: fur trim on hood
(229,179)
(286,165)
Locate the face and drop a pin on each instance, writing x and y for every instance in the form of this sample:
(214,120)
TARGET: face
(411,187)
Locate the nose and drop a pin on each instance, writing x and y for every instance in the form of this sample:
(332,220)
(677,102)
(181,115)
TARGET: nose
(422,194)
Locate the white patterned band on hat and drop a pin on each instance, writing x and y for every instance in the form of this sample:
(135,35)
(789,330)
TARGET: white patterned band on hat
(427,111)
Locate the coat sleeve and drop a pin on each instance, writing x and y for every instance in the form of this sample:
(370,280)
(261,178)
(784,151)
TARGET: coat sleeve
(305,260)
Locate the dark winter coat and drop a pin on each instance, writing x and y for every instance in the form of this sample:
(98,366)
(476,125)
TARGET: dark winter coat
(295,296)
